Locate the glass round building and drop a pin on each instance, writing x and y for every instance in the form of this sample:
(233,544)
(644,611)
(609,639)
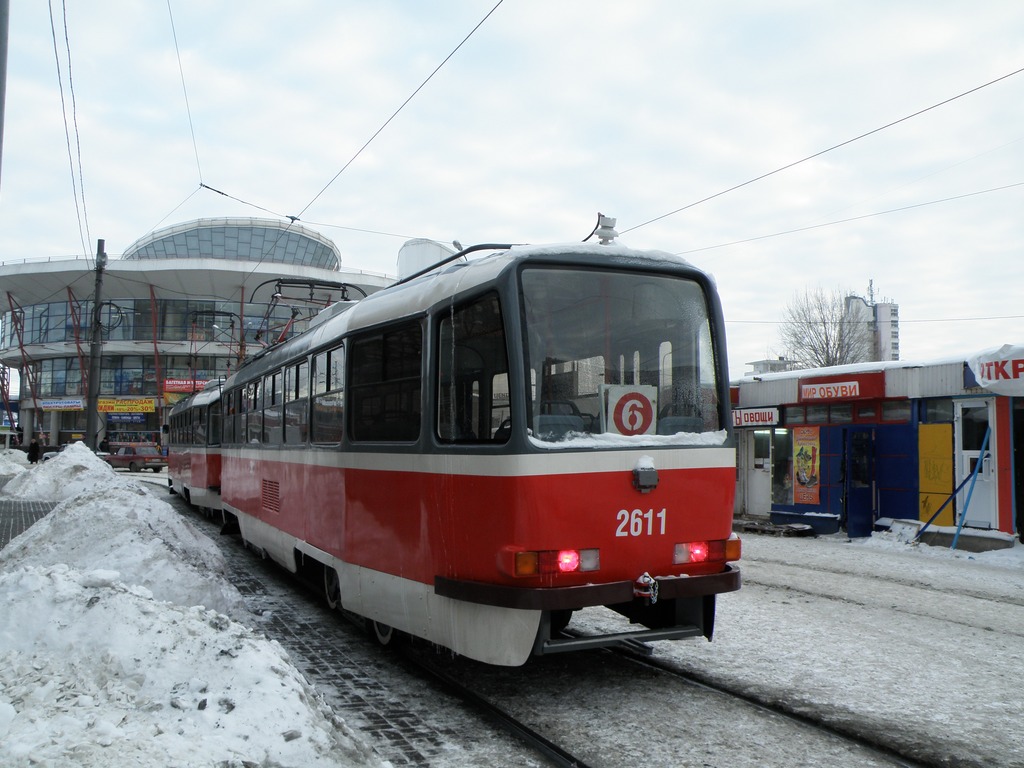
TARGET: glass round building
(182,305)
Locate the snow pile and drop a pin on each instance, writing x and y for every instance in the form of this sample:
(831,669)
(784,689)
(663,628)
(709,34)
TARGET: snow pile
(70,472)
(137,536)
(109,657)
(96,673)
(12,462)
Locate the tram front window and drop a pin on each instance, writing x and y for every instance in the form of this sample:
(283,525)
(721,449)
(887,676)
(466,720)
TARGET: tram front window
(617,353)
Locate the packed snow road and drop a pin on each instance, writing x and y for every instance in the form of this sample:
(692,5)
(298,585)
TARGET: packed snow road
(916,648)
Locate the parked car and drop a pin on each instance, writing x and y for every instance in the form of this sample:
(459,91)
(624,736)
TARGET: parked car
(136,458)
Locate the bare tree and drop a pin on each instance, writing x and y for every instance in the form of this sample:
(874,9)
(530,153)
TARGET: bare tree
(820,330)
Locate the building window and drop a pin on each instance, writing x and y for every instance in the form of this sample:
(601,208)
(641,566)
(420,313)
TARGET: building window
(896,410)
(938,411)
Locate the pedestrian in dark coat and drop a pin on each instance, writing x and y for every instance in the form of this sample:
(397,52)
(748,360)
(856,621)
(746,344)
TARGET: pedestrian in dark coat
(33,451)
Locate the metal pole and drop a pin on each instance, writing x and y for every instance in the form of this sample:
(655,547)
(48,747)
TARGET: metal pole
(5,16)
(95,353)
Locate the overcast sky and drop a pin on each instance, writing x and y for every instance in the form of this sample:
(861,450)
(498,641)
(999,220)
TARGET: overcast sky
(552,111)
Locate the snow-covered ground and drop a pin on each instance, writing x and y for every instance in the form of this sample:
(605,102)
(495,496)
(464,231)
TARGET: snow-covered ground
(118,646)
(108,658)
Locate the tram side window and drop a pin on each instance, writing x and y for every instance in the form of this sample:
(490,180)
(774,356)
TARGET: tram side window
(472,385)
(231,416)
(272,401)
(328,396)
(213,432)
(296,393)
(254,411)
(386,382)
(198,436)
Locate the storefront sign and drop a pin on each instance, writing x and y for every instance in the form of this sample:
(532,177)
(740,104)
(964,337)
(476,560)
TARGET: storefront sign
(806,465)
(129,405)
(63,405)
(184,385)
(855,386)
(126,418)
(755,417)
(999,370)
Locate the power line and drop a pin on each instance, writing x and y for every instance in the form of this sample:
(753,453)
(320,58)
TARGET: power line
(401,107)
(852,218)
(824,151)
(80,209)
(903,321)
(184,91)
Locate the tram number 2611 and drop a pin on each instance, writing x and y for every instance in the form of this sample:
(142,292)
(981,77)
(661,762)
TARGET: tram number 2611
(640,523)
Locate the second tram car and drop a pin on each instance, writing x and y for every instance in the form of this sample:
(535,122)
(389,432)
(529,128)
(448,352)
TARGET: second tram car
(471,455)
(193,456)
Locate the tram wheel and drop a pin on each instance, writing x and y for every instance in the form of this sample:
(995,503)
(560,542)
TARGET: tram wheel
(332,588)
(383,634)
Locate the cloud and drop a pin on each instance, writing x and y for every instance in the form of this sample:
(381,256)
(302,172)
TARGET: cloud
(548,114)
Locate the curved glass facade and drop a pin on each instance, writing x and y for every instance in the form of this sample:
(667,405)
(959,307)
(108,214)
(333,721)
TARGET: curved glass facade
(210,328)
(260,240)
(155,350)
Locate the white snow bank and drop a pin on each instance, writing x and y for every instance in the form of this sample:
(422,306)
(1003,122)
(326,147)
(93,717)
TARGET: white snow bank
(12,462)
(139,537)
(70,472)
(95,673)
(111,652)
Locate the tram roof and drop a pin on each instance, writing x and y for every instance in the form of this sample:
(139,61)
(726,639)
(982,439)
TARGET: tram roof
(422,293)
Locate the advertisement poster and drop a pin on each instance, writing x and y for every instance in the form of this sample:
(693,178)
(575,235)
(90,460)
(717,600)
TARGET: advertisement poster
(806,465)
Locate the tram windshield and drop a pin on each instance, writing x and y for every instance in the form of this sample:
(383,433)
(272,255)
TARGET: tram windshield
(612,355)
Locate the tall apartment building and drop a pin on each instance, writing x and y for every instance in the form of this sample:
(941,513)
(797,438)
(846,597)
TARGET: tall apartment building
(883,318)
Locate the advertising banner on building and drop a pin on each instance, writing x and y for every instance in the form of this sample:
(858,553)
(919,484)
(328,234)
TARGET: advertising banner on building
(70,404)
(1000,370)
(127,405)
(806,465)
(842,387)
(184,385)
(755,417)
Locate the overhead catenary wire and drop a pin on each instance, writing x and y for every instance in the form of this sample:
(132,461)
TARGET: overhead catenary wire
(852,218)
(824,151)
(293,219)
(77,184)
(400,108)
(184,91)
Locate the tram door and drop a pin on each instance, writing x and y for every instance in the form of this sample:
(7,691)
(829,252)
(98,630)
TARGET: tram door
(859,481)
(972,420)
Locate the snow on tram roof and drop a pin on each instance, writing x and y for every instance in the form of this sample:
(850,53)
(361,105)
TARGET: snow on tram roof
(426,291)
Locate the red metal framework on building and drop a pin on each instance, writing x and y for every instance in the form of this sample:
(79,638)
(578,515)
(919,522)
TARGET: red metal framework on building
(28,370)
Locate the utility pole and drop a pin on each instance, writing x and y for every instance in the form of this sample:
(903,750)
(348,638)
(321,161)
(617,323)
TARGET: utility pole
(5,17)
(95,352)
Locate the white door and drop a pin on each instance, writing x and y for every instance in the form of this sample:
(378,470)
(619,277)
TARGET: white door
(757,491)
(974,420)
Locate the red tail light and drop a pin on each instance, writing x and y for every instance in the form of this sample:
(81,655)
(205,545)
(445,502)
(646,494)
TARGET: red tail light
(556,561)
(721,550)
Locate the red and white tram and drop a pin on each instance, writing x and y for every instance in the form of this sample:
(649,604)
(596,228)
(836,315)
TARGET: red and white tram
(471,455)
(193,456)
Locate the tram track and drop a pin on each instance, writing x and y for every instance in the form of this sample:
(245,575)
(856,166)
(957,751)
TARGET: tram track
(496,693)
(546,730)
(778,708)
